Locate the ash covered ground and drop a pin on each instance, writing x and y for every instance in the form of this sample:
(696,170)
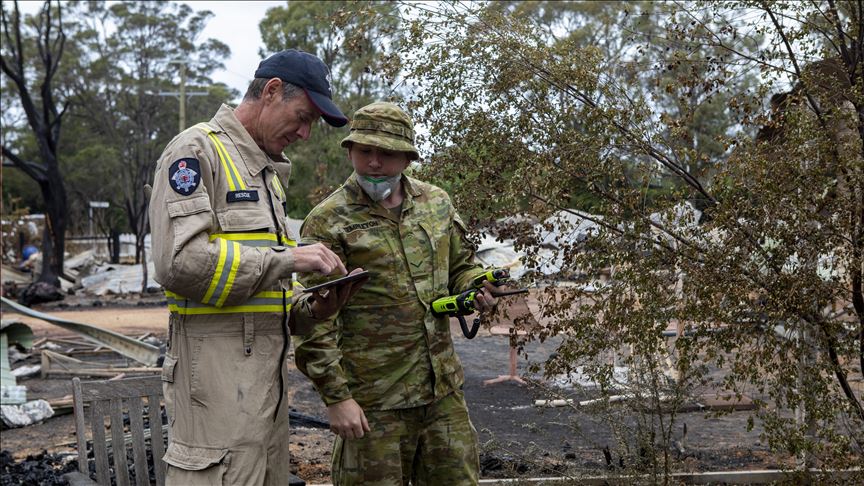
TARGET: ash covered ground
(516,437)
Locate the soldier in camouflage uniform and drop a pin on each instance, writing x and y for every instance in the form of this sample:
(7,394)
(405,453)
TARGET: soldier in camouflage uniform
(384,365)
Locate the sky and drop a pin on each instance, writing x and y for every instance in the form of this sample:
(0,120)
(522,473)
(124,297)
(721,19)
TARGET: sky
(234,22)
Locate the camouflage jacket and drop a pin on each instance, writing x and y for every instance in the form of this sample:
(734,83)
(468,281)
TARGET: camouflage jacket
(384,348)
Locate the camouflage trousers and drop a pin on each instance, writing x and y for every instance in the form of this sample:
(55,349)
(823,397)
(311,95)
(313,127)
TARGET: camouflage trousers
(430,445)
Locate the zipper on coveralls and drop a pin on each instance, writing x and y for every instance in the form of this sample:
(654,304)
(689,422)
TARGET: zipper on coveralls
(282,355)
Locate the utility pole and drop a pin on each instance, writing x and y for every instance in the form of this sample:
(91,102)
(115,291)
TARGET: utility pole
(182,94)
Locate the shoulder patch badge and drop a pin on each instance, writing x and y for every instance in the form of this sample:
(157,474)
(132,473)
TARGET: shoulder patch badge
(184,176)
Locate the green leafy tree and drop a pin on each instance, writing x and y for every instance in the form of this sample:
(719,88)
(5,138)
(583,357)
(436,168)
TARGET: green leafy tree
(133,52)
(766,286)
(117,60)
(315,27)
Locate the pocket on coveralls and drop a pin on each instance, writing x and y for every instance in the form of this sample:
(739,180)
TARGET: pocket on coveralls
(211,462)
(189,217)
(168,367)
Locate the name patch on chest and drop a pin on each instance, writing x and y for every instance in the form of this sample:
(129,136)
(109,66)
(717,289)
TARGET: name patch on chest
(361,226)
(237,196)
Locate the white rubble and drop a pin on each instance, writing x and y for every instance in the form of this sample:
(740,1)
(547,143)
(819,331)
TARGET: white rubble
(563,228)
(579,378)
(26,414)
(24,371)
(119,279)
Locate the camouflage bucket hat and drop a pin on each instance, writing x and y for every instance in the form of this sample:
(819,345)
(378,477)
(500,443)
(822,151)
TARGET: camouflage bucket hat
(383,125)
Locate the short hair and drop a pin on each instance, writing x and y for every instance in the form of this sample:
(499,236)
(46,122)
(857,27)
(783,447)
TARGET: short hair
(256,87)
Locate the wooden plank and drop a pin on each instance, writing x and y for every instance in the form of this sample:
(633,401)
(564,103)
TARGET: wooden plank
(106,372)
(78,406)
(78,479)
(770,476)
(73,342)
(45,364)
(726,403)
(130,387)
(139,447)
(98,410)
(127,438)
(156,438)
(118,444)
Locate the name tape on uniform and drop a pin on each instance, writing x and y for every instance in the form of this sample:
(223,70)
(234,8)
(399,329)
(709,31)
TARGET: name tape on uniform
(237,196)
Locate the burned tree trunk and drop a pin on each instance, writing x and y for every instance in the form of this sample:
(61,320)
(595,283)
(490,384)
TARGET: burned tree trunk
(44,119)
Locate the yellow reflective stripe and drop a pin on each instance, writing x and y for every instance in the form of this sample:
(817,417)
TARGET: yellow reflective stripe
(253,237)
(220,267)
(234,179)
(230,283)
(272,294)
(268,301)
(235,309)
(277,186)
(231,167)
(267,294)
(226,163)
(244,236)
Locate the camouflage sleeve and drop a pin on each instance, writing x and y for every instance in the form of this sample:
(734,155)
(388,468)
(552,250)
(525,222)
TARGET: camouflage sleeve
(317,354)
(301,321)
(463,265)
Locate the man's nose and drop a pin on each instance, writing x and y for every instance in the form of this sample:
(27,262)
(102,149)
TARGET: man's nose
(373,160)
(305,131)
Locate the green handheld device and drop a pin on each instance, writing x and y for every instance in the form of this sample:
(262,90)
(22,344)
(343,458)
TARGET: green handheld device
(462,305)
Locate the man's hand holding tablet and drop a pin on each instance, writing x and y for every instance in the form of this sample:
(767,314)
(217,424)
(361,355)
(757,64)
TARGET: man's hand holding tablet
(327,298)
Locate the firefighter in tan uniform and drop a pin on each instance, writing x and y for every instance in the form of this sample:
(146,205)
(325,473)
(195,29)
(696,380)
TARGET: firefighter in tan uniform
(225,257)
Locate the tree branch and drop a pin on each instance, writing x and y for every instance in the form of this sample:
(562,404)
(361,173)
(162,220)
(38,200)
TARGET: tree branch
(35,171)
(794,59)
(844,51)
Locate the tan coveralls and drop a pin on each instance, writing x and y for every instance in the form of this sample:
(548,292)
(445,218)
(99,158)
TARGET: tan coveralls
(220,246)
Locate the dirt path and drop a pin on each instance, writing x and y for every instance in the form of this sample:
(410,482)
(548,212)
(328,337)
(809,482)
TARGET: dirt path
(127,320)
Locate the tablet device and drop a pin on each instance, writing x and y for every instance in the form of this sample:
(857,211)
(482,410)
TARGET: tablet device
(338,281)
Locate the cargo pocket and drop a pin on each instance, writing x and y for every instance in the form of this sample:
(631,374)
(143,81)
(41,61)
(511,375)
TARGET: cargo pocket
(189,217)
(168,367)
(210,462)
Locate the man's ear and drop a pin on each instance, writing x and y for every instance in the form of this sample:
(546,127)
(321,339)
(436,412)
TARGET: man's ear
(272,90)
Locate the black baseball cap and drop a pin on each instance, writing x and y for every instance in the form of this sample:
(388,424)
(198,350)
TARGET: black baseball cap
(308,72)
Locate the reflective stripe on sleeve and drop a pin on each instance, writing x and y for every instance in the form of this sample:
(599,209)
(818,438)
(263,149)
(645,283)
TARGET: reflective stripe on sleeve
(254,239)
(265,302)
(235,263)
(223,276)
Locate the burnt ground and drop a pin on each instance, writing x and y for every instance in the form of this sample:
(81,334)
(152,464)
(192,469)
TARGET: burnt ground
(515,436)
(518,438)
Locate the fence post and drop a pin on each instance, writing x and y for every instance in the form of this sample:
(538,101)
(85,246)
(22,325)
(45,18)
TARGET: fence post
(115,246)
